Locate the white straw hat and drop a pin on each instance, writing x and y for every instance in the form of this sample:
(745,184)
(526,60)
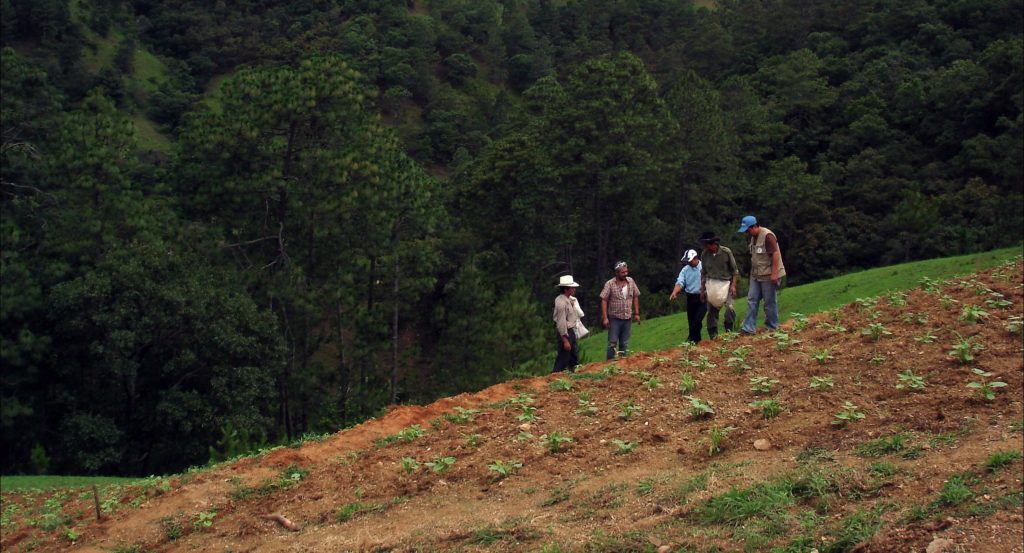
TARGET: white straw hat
(567,281)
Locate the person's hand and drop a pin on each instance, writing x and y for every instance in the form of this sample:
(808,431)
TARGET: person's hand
(636,317)
(604,322)
(732,291)
(703,296)
(673,295)
(565,343)
(775,281)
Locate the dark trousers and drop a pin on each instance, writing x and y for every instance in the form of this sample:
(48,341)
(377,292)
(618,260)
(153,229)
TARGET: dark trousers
(566,359)
(695,310)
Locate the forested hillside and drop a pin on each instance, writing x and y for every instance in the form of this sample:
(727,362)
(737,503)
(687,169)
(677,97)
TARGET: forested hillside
(235,223)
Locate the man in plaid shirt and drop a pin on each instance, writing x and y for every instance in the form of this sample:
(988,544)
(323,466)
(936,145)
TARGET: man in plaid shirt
(620,306)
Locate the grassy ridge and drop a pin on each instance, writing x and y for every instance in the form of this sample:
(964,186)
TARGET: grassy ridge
(671,330)
(46,482)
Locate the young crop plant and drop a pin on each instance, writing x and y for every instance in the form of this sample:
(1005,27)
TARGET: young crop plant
(822,355)
(986,388)
(956,490)
(699,408)
(946,302)
(411,433)
(1015,325)
(704,364)
(926,337)
(783,341)
(762,384)
(461,415)
(555,442)
(738,361)
(715,438)
(876,358)
(409,465)
(800,322)
(529,414)
(586,408)
(822,382)
(561,385)
(865,305)
(440,465)
(881,446)
(910,381)
(622,448)
(687,384)
(998,301)
(473,440)
(628,409)
(972,314)
(914,318)
(652,383)
(928,285)
(770,408)
(611,370)
(875,331)
(204,520)
(504,469)
(850,413)
(965,349)
(896,298)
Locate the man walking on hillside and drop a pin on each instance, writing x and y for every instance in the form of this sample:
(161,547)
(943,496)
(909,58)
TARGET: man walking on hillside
(620,305)
(689,283)
(718,282)
(766,269)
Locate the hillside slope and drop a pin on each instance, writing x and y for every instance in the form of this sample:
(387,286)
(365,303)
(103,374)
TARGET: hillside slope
(940,462)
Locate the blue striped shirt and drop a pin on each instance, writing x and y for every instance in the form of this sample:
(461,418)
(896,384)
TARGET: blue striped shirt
(689,279)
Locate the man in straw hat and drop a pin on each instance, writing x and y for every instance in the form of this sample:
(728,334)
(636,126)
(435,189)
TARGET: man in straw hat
(718,282)
(566,317)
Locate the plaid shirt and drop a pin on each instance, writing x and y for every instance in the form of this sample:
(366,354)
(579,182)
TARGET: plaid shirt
(619,306)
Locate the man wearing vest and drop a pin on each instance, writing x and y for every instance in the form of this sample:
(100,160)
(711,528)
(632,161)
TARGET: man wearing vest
(766,269)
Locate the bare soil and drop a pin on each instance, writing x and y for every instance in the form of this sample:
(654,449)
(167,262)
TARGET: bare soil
(349,492)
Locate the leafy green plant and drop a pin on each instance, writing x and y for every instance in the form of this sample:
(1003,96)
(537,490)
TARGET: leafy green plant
(622,448)
(687,384)
(910,381)
(440,465)
(946,302)
(770,408)
(965,349)
(972,314)
(611,369)
(409,465)
(738,361)
(652,383)
(628,409)
(699,408)
(896,298)
(411,433)
(762,384)
(586,407)
(705,364)
(645,486)
(926,337)
(928,285)
(998,301)
(986,388)
(555,441)
(461,415)
(783,341)
(523,436)
(1015,324)
(876,358)
(716,436)
(504,469)
(560,385)
(850,413)
(822,355)
(865,305)
(204,520)
(875,331)
(521,399)
(822,382)
(956,490)
(912,318)
(800,322)
(529,414)
(71,535)
(473,440)
(881,446)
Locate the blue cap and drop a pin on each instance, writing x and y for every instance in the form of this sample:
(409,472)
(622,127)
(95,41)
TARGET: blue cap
(747,222)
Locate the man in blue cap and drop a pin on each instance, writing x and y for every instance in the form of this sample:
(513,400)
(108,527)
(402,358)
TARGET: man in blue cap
(766,269)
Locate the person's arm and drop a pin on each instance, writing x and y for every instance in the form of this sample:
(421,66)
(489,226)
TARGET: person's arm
(604,311)
(678,287)
(636,302)
(561,321)
(772,243)
(735,274)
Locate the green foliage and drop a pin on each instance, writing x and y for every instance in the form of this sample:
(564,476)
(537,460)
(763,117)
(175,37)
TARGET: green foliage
(556,441)
(965,349)
(440,465)
(560,384)
(910,381)
(687,384)
(622,447)
(1000,460)
(850,413)
(504,469)
(770,408)
(822,382)
(716,435)
(628,409)
(762,384)
(699,408)
(986,388)
(882,446)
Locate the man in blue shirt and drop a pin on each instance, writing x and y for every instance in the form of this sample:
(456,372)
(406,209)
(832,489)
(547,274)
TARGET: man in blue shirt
(689,282)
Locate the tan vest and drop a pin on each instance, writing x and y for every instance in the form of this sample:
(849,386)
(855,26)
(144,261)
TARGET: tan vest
(760,260)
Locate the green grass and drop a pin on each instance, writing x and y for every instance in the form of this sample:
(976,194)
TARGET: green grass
(670,331)
(15,483)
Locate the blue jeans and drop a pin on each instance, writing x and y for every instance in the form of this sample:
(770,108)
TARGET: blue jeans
(762,290)
(618,335)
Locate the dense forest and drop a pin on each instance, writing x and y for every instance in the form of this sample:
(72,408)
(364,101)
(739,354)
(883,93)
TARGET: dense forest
(237,223)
